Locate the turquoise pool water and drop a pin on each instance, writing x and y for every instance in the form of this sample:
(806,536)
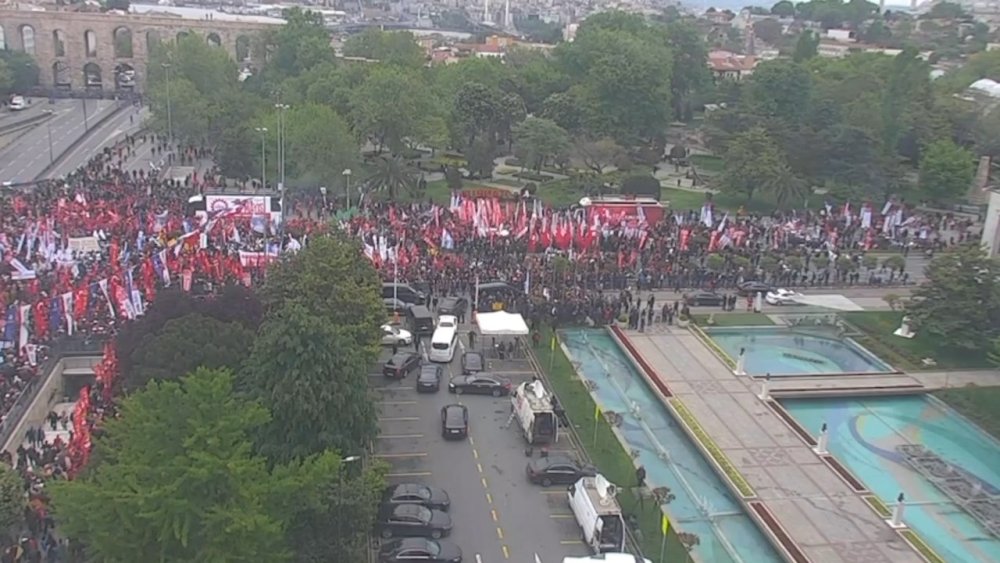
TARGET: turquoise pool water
(702,503)
(787,351)
(864,434)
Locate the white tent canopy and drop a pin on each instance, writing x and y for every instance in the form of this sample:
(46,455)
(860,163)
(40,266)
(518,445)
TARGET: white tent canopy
(501,323)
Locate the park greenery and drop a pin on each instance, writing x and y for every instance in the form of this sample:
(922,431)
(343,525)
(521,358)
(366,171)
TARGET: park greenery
(861,127)
(245,422)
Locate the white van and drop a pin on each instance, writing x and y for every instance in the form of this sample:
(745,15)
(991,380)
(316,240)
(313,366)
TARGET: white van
(445,340)
(592,500)
(607,558)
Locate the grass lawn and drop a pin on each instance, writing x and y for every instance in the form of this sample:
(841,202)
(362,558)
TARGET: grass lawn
(734,319)
(607,454)
(878,328)
(707,163)
(980,404)
(506,182)
(684,200)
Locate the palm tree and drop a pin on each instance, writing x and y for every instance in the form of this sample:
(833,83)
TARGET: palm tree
(392,175)
(786,187)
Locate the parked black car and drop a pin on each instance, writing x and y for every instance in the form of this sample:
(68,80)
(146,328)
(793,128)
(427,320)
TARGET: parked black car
(429,379)
(413,520)
(453,306)
(479,384)
(401,364)
(704,298)
(454,422)
(472,362)
(420,550)
(753,287)
(415,493)
(557,470)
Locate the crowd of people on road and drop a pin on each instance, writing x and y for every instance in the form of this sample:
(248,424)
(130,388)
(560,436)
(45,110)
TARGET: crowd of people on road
(83,254)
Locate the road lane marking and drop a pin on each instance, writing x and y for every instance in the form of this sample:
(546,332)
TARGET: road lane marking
(570,542)
(410,474)
(560,515)
(551,492)
(471,441)
(479,558)
(479,467)
(475,453)
(400,436)
(397,402)
(393,388)
(499,532)
(398,418)
(418,454)
(493,513)
(506,552)
(485,486)
(489,498)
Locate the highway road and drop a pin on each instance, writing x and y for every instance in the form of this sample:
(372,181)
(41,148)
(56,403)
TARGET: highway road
(498,516)
(24,159)
(110,132)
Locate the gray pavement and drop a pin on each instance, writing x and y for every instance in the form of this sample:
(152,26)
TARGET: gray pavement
(498,515)
(25,159)
(107,134)
(815,507)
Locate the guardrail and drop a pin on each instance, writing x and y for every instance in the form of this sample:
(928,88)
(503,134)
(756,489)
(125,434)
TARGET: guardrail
(58,160)
(68,346)
(12,127)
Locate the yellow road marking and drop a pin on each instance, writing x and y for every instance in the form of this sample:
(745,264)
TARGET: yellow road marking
(560,515)
(400,436)
(417,454)
(393,388)
(413,474)
(479,467)
(493,513)
(499,532)
(489,498)
(471,441)
(397,403)
(552,492)
(485,486)
(506,552)
(475,453)
(569,542)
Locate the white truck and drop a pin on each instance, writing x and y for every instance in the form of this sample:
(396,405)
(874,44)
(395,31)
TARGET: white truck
(533,407)
(592,500)
(607,558)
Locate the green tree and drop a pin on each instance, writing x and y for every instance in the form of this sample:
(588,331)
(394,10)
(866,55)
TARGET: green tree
(598,154)
(393,176)
(946,171)
(806,46)
(177,480)
(6,80)
(313,376)
(331,278)
(319,146)
(187,343)
(780,89)
(299,45)
(389,47)
(753,162)
(768,30)
(958,305)
(390,105)
(22,68)
(783,9)
(12,499)
(994,355)
(689,74)
(537,140)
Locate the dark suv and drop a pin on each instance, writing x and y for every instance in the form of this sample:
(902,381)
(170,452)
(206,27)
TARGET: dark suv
(454,422)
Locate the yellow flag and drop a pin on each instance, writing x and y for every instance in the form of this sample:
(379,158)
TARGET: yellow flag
(664,523)
(597,412)
(553,344)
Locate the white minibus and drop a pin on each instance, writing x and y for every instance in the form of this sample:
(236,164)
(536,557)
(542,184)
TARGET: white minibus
(445,340)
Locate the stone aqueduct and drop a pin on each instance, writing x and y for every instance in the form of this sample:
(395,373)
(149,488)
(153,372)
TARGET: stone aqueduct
(80,50)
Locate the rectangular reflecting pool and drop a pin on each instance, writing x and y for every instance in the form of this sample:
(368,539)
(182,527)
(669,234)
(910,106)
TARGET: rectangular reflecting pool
(702,504)
(953,494)
(791,351)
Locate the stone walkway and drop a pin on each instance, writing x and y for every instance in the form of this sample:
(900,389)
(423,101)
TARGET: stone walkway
(934,380)
(817,509)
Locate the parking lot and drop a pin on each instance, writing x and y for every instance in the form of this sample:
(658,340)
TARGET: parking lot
(498,515)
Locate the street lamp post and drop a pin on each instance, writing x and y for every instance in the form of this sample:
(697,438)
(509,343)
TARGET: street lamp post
(281,153)
(170,120)
(347,188)
(322,190)
(52,158)
(263,156)
(86,121)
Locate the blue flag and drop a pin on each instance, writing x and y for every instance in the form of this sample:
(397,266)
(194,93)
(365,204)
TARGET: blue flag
(10,328)
(55,315)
